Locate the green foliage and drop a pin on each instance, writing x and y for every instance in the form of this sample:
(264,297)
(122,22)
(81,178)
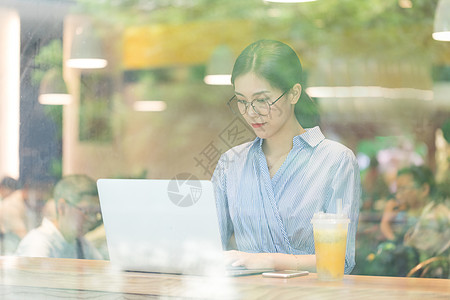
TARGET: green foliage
(372,147)
(137,12)
(55,112)
(181,86)
(50,56)
(95,108)
(446,130)
(391,259)
(376,28)
(56,168)
(441,73)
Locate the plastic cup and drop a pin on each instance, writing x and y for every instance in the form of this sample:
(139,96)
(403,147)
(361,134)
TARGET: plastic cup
(330,240)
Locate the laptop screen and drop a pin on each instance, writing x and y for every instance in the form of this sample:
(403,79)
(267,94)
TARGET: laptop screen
(167,226)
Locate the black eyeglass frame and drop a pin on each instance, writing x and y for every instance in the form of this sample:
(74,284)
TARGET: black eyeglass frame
(98,214)
(251,103)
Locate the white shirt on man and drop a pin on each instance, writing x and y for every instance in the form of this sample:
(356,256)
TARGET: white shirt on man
(47,241)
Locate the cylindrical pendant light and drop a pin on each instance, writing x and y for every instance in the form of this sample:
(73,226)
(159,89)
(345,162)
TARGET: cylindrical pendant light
(442,21)
(86,50)
(53,90)
(218,71)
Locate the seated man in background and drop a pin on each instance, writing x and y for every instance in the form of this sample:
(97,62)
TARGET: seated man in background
(77,211)
(414,186)
(97,237)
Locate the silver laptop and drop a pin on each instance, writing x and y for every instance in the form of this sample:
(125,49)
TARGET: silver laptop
(166,226)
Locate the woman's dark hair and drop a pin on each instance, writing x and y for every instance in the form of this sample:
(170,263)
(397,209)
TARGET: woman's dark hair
(277,63)
(10,183)
(420,175)
(272,60)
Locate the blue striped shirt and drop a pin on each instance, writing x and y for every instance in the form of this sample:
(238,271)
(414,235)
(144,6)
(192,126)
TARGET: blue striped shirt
(273,215)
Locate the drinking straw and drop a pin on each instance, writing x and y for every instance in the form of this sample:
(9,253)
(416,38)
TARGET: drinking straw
(339,206)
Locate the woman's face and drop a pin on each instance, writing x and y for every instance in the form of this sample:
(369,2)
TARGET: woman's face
(249,87)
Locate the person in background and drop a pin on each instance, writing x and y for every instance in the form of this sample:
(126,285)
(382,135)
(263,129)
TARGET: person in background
(20,210)
(13,216)
(431,234)
(398,253)
(97,237)
(414,185)
(8,185)
(77,211)
(268,190)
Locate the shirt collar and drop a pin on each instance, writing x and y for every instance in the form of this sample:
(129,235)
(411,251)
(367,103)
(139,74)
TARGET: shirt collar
(312,137)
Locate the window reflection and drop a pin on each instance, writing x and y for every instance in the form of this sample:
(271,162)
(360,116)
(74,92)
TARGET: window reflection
(146,111)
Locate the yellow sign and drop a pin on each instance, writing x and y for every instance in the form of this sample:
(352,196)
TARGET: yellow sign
(186,44)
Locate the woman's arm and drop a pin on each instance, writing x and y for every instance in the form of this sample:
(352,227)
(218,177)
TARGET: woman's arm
(346,185)
(225,224)
(277,261)
(389,213)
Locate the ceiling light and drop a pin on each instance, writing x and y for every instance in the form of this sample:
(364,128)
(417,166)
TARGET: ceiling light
(218,79)
(442,21)
(149,105)
(86,50)
(368,92)
(53,90)
(218,71)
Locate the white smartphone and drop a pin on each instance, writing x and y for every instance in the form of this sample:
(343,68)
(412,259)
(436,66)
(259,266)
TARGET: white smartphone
(285,274)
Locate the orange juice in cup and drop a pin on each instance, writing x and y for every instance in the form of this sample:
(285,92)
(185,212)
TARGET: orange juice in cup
(330,239)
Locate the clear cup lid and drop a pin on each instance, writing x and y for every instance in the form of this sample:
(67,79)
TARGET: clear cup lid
(331,218)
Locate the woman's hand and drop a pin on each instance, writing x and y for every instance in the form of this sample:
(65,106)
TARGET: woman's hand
(277,261)
(249,260)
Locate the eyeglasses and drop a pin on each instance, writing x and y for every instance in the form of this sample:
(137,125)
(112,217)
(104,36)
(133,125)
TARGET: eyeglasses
(260,106)
(401,189)
(92,213)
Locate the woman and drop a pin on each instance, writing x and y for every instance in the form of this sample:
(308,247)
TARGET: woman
(268,190)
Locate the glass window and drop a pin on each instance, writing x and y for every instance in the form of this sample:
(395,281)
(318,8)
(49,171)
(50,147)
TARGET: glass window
(139,89)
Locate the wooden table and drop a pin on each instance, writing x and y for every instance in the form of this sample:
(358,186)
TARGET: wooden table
(47,278)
